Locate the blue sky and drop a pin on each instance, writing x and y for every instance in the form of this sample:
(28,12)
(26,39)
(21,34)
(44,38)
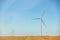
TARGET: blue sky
(18,14)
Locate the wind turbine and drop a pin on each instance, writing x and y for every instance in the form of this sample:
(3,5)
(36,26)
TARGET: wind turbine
(12,34)
(0,33)
(42,21)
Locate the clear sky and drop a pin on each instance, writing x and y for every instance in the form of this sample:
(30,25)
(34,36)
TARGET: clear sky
(17,15)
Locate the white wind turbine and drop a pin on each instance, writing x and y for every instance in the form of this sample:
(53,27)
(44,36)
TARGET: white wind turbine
(42,21)
(12,34)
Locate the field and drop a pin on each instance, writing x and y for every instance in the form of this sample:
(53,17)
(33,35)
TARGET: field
(29,37)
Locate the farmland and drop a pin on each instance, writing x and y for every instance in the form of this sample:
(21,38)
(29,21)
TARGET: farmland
(29,37)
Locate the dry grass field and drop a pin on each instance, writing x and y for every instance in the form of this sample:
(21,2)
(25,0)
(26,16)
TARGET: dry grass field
(29,38)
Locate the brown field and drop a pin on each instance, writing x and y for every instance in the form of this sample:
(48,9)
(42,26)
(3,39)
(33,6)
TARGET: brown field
(29,37)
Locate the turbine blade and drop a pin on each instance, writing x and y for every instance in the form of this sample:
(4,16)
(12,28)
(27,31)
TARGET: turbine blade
(36,19)
(43,12)
(43,22)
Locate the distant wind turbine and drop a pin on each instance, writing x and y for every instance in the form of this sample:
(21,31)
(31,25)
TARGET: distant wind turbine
(12,34)
(0,33)
(42,22)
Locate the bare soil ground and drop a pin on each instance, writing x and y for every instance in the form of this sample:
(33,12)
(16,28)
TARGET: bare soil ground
(29,37)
